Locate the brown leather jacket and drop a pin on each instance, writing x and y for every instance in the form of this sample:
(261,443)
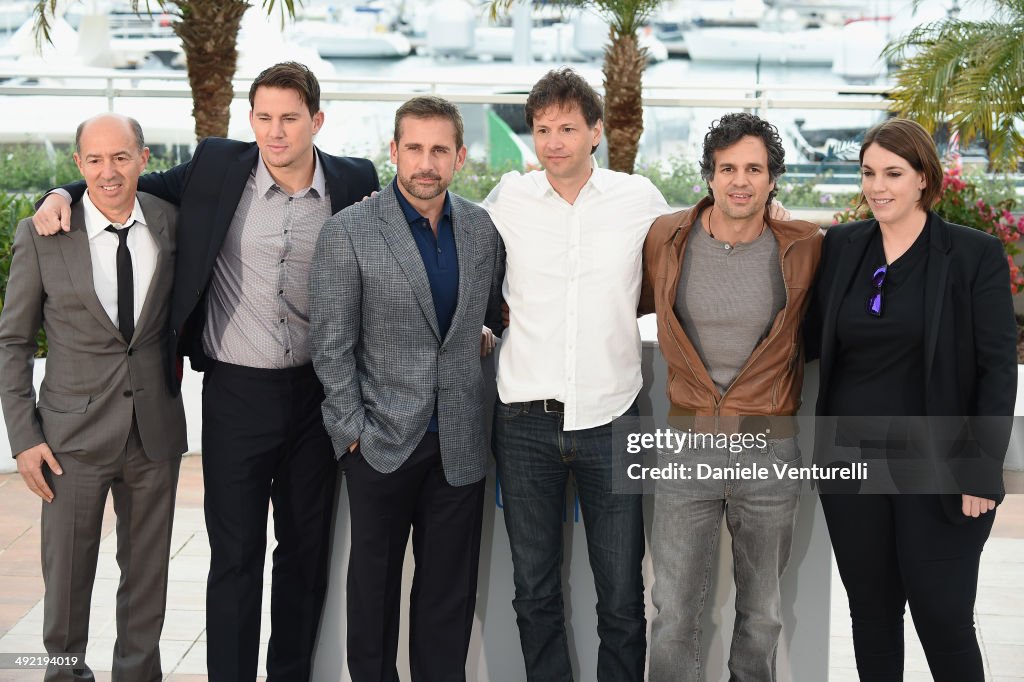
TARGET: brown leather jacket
(770,381)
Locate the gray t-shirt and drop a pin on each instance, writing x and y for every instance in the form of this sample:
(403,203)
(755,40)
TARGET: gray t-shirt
(727,298)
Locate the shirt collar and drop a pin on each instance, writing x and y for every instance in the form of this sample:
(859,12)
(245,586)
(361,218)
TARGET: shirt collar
(598,179)
(410,213)
(96,222)
(265,181)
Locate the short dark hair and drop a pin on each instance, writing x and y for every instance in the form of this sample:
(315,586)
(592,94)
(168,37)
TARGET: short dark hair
(911,142)
(564,88)
(730,129)
(140,141)
(430,106)
(289,76)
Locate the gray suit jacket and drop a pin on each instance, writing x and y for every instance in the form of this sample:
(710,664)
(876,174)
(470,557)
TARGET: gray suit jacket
(94,380)
(375,341)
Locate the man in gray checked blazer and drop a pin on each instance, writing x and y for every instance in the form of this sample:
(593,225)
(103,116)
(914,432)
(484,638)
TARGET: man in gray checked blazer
(105,418)
(399,288)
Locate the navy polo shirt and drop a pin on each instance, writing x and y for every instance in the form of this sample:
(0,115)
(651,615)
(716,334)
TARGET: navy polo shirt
(440,261)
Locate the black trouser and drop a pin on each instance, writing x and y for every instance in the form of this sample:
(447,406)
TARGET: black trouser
(264,441)
(445,522)
(895,549)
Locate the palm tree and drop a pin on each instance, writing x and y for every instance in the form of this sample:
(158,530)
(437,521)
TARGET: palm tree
(969,74)
(208,30)
(624,63)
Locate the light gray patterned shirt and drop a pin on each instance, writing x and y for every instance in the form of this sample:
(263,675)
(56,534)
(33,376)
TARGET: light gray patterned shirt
(257,308)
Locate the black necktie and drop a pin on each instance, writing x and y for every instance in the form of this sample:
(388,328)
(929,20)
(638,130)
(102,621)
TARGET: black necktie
(125,284)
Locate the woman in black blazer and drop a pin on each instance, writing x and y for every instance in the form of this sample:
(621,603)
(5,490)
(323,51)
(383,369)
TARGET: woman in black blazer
(914,319)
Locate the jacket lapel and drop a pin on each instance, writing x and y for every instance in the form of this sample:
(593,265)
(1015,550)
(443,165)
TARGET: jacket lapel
(336,187)
(74,246)
(465,249)
(935,288)
(235,177)
(397,235)
(156,222)
(850,256)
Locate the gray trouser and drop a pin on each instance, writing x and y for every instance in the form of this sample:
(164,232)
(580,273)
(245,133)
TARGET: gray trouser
(760,515)
(143,492)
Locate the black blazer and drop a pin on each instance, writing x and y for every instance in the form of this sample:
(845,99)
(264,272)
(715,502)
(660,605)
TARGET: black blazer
(970,340)
(207,189)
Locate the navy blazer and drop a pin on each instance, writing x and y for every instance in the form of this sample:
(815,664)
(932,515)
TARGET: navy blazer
(970,340)
(207,189)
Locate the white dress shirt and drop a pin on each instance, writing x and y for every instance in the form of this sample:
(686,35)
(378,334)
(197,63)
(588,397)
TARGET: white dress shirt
(572,285)
(103,250)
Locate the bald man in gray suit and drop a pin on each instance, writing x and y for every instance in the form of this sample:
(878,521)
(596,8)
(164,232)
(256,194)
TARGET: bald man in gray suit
(105,418)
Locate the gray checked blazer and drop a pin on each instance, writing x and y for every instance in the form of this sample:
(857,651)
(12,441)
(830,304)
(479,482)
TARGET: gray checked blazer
(375,341)
(95,382)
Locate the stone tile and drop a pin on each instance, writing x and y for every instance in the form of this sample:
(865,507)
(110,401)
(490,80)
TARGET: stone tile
(193,662)
(11,615)
(104,591)
(198,544)
(31,623)
(20,675)
(1000,575)
(190,567)
(171,652)
(28,644)
(1003,550)
(999,602)
(840,653)
(1004,659)
(842,674)
(186,595)
(183,625)
(1002,630)
(100,655)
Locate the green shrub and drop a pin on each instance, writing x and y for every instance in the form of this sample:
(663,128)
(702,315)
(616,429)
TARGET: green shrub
(13,208)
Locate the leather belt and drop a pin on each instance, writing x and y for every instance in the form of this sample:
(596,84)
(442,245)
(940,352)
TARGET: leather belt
(551,405)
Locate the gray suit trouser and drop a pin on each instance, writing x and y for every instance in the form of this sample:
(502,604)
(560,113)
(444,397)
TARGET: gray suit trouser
(143,492)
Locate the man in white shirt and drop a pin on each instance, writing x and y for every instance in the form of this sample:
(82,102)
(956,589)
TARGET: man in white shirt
(106,418)
(569,368)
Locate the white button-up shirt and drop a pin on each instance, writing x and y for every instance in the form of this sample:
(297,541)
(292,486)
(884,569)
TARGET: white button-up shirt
(572,285)
(103,251)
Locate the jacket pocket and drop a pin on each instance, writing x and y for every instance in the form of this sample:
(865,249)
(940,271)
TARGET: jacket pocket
(70,403)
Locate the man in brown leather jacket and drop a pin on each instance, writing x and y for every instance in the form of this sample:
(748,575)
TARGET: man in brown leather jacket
(730,286)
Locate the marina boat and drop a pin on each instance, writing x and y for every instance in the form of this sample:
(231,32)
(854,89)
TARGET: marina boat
(361,32)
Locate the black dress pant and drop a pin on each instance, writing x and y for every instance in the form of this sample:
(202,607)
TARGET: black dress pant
(264,441)
(895,549)
(445,522)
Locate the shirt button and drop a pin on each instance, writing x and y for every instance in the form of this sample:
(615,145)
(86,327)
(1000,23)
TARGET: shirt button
(286,231)
(280,292)
(282,260)
(287,351)
(282,320)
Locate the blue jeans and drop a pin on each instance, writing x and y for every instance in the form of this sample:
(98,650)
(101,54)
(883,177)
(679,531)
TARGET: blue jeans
(535,458)
(760,516)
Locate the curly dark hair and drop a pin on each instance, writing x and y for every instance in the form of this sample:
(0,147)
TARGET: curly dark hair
(732,128)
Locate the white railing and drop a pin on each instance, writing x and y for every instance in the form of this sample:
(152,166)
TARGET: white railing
(761,96)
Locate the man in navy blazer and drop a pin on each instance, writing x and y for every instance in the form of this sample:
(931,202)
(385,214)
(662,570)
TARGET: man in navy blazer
(250,215)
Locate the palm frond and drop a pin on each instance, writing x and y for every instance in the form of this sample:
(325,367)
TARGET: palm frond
(967,74)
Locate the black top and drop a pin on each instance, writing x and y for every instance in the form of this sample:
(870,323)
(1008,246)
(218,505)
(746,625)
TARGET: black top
(880,360)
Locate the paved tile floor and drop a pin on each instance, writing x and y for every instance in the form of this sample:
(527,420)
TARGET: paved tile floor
(1000,606)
